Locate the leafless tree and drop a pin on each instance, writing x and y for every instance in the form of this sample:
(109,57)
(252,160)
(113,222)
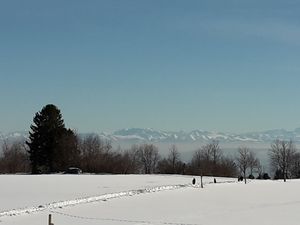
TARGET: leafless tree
(130,160)
(216,152)
(216,155)
(227,167)
(14,158)
(212,152)
(281,156)
(172,164)
(209,160)
(209,156)
(260,171)
(254,162)
(95,153)
(295,170)
(243,161)
(148,155)
(197,160)
(197,164)
(174,158)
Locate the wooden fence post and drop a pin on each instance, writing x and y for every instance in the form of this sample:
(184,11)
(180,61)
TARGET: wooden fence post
(50,220)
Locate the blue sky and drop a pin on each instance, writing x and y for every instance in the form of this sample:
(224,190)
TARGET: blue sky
(169,65)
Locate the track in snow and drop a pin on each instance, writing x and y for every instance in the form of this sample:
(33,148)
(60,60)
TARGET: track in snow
(105,197)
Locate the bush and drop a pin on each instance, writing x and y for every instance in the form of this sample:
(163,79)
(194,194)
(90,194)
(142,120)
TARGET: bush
(251,177)
(266,176)
(278,175)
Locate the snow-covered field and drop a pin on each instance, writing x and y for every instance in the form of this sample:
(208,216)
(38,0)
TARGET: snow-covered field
(145,199)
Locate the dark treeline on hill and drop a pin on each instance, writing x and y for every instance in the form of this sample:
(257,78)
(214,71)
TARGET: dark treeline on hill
(53,148)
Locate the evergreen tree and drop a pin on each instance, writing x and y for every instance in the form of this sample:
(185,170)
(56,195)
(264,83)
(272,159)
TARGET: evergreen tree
(46,140)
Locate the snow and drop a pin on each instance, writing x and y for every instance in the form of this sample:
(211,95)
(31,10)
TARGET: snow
(129,137)
(192,137)
(205,138)
(246,139)
(146,199)
(215,136)
(35,190)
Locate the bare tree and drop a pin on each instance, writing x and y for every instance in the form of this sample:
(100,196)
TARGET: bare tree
(95,153)
(209,160)
(216,152)
(227,167)
(243,161)
(212,152)
(130,160)
(14,158)
(197,164)
(197,160)
(216,155)
(172,164)
(148,154)
(281,156)
(254,162)
(174,158)
(210,156)
(295,170)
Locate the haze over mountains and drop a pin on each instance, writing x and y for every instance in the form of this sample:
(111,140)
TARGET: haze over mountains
(140,135)
(186,142)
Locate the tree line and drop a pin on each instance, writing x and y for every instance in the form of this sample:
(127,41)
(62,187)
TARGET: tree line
(95,155)
(53,148)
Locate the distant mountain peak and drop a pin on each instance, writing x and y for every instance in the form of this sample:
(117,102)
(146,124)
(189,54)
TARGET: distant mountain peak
(137,135)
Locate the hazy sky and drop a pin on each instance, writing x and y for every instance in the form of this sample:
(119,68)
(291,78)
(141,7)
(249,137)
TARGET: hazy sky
(169,65)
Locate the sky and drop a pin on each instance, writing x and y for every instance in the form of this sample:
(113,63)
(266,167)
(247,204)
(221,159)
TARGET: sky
(215,65)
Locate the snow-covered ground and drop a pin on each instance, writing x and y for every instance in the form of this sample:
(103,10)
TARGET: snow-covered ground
(145,199)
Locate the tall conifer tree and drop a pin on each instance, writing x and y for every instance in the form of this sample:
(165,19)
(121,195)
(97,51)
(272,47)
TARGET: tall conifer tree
(46,138)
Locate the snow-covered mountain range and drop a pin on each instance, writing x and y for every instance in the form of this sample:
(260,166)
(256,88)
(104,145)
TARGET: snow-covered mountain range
(138,135)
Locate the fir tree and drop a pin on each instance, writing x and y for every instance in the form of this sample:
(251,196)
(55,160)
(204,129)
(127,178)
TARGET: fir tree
(46,140)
